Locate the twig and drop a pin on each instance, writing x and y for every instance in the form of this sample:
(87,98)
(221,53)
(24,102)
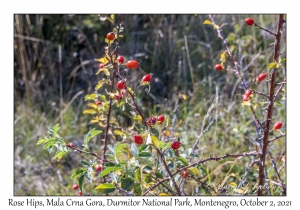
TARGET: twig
(279,89)
(156,185)
(277,174)
(277,137)
(260,93)
(265,140)
(267,30)
(247,172)
(202,127)
(124,192)
(89,153)
(168,170)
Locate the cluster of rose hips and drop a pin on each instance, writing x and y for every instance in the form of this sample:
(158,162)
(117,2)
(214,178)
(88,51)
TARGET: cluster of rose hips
(75,187)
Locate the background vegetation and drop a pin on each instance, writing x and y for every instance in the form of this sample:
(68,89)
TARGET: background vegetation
(54,68)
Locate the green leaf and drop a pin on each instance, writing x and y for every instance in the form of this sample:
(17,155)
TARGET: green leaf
(137,189)
(147,169)
(92,133)
(113,177)
(154,132)
(85,163)
(50,149)
(138,174)
(272,65)
(134,150)
(49,143)
(194,171)
(144,154)
(87,176)
(159,175)
(120,148)
(81,182)
(127,183)
(278,104)
(147,178)
(167,145)
(59,154)
(109,169)
(183,160)
(78,172)
(143,147)
(106,188)
(53,131)
(283,60)
(41,141)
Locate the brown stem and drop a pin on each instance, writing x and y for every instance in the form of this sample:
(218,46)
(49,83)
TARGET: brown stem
(267,30)
(137,108)
(89,153)
(168,171)
(260,93)
(108,115)
(277,174)
(269,109)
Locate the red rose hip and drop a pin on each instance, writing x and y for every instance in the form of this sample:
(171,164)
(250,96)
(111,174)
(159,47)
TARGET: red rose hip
(71,145)
(245,98)
(132,64)
(101,65)
(277,125)
(248,93)
(175,145)
(184,174)
(98,167)
(80,193)
(160,119)
(151,120)
(147,78)
(110,36)
(120,59)
(249,21)
(98,103)
(218,67)
(121,85)
(138,139)
(261,77)
(75,187)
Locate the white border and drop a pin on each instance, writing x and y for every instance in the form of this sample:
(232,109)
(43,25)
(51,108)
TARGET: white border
(163,7)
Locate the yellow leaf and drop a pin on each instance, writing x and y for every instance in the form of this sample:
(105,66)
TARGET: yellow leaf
(216,26)
(239,191)
(98,86)
(184,97)
(246,103)
(163,194)
(89,111)
(194,171)
(103,60)
(92,105)
(118,132)
(207,22)
(154,140)
(102,124)
(106,72)
(90,97)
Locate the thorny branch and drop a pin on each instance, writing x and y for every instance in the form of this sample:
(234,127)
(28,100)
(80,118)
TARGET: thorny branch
(265,140)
